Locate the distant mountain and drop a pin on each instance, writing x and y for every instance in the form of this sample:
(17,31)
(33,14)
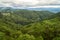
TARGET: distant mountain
(35,9)
(46,9)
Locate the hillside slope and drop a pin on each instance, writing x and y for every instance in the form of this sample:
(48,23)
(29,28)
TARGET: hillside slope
(29,25)
(24,16)
(49,29)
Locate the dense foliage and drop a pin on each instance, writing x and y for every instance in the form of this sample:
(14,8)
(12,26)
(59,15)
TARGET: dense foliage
(16,24)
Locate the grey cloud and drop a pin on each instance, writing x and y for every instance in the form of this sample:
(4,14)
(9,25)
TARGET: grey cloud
(29,4)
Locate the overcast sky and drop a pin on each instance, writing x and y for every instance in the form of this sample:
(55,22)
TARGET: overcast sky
(30,3)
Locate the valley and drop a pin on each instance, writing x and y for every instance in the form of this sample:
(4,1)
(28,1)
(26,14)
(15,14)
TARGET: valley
(21,24)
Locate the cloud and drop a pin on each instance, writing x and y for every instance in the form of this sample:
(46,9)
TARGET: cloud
(29,3)
(45,7)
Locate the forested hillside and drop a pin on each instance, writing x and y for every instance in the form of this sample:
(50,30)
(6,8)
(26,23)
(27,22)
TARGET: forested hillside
(16,24)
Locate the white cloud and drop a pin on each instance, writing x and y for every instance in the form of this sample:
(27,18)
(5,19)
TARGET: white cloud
(29,3)
(45,7)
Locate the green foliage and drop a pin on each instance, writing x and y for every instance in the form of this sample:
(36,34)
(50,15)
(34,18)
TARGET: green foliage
(57,38)
(29,25)
(26,37)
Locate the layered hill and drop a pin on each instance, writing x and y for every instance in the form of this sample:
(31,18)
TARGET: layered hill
(19,24)
(24,16)
(49,29)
